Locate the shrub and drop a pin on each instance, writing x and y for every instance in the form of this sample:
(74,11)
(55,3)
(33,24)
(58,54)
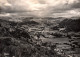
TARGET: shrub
(57,35)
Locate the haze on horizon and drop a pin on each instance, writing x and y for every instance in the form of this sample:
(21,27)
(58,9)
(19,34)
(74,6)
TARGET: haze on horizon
(40,8)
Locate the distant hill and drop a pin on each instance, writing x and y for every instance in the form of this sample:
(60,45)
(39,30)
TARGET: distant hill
(71,24)
(31,23)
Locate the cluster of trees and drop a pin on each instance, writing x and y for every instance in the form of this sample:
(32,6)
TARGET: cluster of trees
(30,50)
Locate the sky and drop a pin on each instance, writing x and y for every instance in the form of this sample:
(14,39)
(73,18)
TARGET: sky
(41,8)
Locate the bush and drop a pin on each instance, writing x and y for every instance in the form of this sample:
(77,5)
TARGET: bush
(57,35)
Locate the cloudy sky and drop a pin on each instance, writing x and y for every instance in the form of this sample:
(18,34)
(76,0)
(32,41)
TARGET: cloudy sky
(41,8)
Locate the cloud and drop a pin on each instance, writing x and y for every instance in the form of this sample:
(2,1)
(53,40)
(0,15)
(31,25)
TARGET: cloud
(39,7)
(76,4)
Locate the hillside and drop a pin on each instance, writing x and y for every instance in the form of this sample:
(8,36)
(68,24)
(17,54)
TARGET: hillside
(15,41)
(71,24)
(32,38)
